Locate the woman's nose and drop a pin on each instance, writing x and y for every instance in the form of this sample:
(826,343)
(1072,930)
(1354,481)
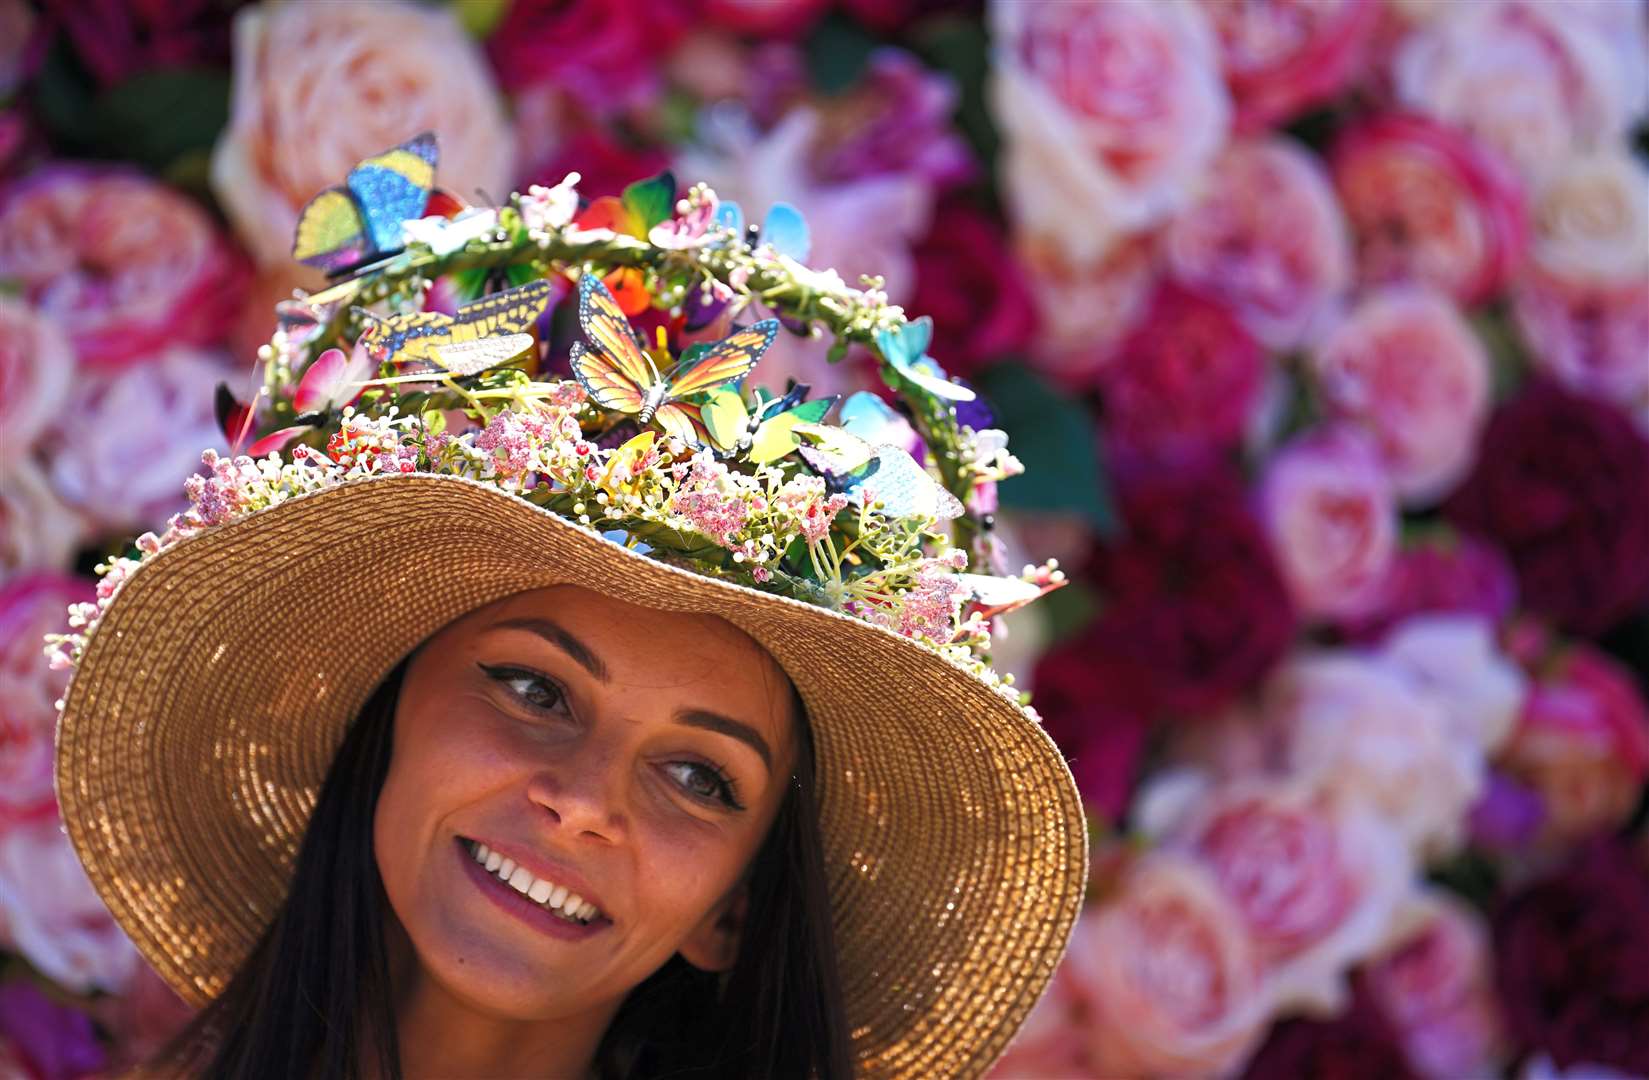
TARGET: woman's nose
(583,790)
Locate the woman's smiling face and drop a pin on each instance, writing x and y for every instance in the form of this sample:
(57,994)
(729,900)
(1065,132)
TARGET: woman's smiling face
(631,756)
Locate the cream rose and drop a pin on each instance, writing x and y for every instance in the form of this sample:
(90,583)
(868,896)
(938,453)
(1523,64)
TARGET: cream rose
(1405,363)
(318,87)
(1109,112)
(1453,659)
(52,915)
(1170,976)
(1591,219)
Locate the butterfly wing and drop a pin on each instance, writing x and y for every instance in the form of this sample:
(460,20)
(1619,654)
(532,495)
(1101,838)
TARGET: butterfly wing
(905,349)
(392,187)
(609,332)
(408,338)
(682,421)
(727,361)
(725,418)
(785,230)
(776,436)
(607,384)
(513,311)
(332,234)
(483,354)
(905,489)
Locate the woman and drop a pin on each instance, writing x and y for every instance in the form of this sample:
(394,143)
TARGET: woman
(561,747)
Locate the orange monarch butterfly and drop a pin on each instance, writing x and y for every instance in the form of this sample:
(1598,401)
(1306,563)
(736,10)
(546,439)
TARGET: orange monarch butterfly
(618,373)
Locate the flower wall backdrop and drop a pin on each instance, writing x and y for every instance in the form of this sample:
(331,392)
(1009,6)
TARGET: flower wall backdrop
(1322,327)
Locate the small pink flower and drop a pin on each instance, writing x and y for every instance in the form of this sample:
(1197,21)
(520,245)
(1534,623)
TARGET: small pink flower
(31,606)
(1110,115)
(1328,506)
(124,264)
(710,500)
(1280,58)
(1405,364)
(1267,237)
(1429,205)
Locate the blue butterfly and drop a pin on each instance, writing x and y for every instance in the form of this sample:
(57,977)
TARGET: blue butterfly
(784,229)
(906,348)
(346,227)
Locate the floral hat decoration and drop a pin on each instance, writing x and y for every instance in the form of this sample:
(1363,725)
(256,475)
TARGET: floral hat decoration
(410,456)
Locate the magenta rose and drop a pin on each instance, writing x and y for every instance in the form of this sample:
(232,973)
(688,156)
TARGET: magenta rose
(1559,487)
(1094,711)
(1588,335)
(897,119)
(1572,961)
(606,55)
(1187,381)
(891,16)
(1434,982)
(1327,504)
(971,284)
(50,1040)
(1280,58)
(1405,364)
(764,18)
(1267,238)
(124,264)
(1427,204)
(1195,605)
(115,39)
(1440,571)
(1359,1044)
(31,606)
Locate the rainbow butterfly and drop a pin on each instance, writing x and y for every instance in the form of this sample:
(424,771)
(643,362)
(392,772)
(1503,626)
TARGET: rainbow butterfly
(619,374)
(348,226)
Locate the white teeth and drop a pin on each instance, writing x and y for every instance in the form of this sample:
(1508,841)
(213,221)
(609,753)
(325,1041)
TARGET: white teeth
(557,899)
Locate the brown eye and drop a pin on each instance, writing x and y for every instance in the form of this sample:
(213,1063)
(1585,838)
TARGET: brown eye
(529,687)
(708,782)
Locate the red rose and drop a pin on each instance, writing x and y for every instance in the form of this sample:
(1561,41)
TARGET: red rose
(971,284)
(1195,607)
(1090,708)
(1185,381)
(1572,961)
(1559,486)
(765,18)
(606,54)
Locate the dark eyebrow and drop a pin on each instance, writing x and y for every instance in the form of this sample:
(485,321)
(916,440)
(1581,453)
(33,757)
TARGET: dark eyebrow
(726,725)
(562,640)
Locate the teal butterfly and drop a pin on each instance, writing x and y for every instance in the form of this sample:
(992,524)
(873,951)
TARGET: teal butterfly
(884,473)
(784,229)
(345,227)
(906,347)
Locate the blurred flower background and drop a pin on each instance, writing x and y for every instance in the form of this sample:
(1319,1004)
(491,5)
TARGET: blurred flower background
(1322,327)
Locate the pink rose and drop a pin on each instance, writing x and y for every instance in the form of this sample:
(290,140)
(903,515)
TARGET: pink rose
(1524,77)
(405,67)
(1280,58)
(1591,219)
(126,443)
(1442,571)
(1267,237)
(1363,730)
(605,55)
(37,529)
(1434,983)
(123,264)
(51,915)
(1110,114)
(1052,1041)
(1588,336)
(36,366)
(31,606)
(1188,380)
(1428,205)
(1328,507)
(1455,660)
(1582,742)
(1084,313)
(1405,364)
(1169,975)
(1316,879)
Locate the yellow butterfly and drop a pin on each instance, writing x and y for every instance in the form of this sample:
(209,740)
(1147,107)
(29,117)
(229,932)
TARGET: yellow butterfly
(430,336)
(619,374)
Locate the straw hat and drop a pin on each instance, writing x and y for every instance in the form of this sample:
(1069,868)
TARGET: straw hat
(219,672)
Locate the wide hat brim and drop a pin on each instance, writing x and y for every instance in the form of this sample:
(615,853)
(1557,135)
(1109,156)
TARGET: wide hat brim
(217,686)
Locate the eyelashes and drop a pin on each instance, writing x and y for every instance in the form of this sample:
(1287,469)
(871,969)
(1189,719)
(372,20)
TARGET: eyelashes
(543,694)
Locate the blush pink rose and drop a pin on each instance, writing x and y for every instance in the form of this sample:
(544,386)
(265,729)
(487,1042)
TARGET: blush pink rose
(1428,205)
(1170,977)
(1522,76)
(1588,336)
(31,606)
(1315,878)
(1328,506)
(1453,657)
(1362,729)
(1053,1040)
(1282,57)
(125,443)
(1265,236)
(1582,742)
(51,914)
(401,67)
(1110,114)
(38,530)
(1434,982)
(1406,364)
(125,265)
(1084,312)
(36,366)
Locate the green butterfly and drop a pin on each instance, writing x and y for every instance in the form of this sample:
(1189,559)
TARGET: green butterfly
(768,433)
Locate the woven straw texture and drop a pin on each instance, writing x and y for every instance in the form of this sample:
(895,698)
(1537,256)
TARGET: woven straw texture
(217,686)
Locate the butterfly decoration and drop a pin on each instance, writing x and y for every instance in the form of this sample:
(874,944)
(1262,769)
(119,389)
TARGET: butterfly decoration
(906,347)
(358,222)
(766,434)
(333,380)
(616,370)
(870,418)
(882,473)
(784,229)
(990,596)
(432,336)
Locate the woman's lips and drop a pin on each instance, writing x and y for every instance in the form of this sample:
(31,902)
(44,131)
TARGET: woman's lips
(521,907)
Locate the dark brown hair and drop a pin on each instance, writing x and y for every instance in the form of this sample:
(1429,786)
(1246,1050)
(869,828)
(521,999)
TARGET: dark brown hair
(314,997)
